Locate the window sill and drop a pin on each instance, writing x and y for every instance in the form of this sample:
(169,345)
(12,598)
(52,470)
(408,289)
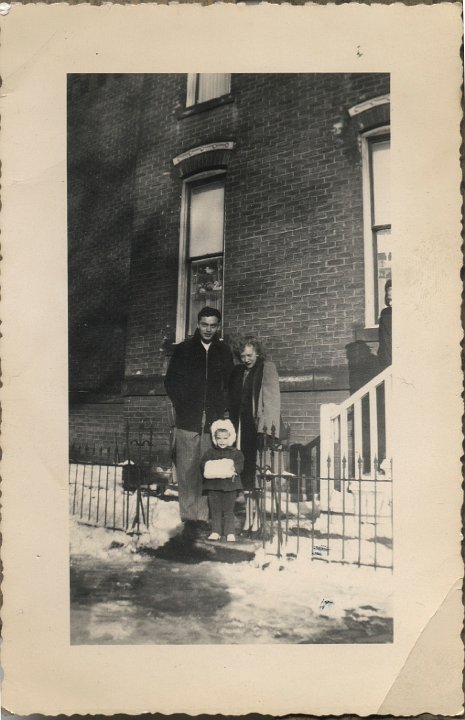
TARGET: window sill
(204,106)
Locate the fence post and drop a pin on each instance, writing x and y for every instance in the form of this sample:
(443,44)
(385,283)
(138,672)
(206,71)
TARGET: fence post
(91,485)
(373,402)
(343,485)
(359,463)
(150,465)
(76,478)
(326,432)
(287,508)
(313,484)
(115,466)
(105,511)
(86,452)
(98,482)
(280,469)
(126,523)
(375,528)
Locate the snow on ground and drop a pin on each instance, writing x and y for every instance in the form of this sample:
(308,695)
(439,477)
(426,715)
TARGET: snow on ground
(325,588)
(121,595)
(102,543)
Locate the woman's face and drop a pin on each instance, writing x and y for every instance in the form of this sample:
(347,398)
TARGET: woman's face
(249,356)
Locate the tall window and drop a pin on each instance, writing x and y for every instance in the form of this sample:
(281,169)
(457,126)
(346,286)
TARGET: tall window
(377,220)
(206,86)
(202,244)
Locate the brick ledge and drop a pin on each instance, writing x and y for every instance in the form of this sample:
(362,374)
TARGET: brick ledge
(313,380)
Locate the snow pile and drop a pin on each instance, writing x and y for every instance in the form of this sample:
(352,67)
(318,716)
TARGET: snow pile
(100,542)
(296,597)
(164,524)
(331,588)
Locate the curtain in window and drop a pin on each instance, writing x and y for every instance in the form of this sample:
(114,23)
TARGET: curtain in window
(381,218)
(205,253)
(212,85)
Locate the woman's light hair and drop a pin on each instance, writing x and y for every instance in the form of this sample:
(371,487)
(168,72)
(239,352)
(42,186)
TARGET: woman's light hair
(240,342)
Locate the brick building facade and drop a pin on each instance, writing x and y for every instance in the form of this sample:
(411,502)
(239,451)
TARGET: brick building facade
(291,170)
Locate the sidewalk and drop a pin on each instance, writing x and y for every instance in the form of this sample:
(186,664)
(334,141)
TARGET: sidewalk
(161,589)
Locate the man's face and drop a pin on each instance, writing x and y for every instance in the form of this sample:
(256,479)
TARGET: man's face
(208,327)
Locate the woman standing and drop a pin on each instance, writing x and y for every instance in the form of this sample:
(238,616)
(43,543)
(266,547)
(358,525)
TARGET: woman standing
(385,329)
(254,405)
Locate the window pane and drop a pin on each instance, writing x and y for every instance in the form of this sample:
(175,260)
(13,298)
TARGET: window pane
(381,183)
(212,85)
(383,259)
(206,220)
(205,288)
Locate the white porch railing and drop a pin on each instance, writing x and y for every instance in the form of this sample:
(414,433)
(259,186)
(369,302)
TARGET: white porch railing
(355,438)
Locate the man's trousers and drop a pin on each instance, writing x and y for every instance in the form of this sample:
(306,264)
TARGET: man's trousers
(190,446)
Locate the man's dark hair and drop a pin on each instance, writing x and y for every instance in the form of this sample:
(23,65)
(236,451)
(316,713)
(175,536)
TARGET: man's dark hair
(209,312)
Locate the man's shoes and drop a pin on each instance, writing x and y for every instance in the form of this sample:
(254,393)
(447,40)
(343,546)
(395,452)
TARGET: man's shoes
(230,538)
(203,529)
(189,531)
(213,537)
(195,529)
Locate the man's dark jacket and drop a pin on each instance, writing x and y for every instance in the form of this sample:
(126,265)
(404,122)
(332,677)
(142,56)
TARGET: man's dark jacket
(197,381)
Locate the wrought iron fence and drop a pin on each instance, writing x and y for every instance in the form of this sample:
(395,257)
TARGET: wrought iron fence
(346,520)
(112,486)
(341,519)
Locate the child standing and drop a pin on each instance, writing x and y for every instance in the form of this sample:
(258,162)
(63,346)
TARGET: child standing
(221,467)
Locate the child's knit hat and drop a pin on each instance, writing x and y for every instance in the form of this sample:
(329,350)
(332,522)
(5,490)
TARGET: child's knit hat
(223,425)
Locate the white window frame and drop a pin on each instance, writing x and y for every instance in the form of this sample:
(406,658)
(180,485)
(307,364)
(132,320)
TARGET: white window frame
(192,80)
(183,280)
(370,320)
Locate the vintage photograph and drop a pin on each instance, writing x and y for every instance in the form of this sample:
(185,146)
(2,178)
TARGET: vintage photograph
(230,303)
(226,464)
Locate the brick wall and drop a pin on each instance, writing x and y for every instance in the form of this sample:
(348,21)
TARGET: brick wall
(102,145)
(301,410)
(96,424)
(293,239)
(148,410)
(102,424)
(294,264)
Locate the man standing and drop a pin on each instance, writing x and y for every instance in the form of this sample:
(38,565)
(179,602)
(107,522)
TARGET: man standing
(197,383)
